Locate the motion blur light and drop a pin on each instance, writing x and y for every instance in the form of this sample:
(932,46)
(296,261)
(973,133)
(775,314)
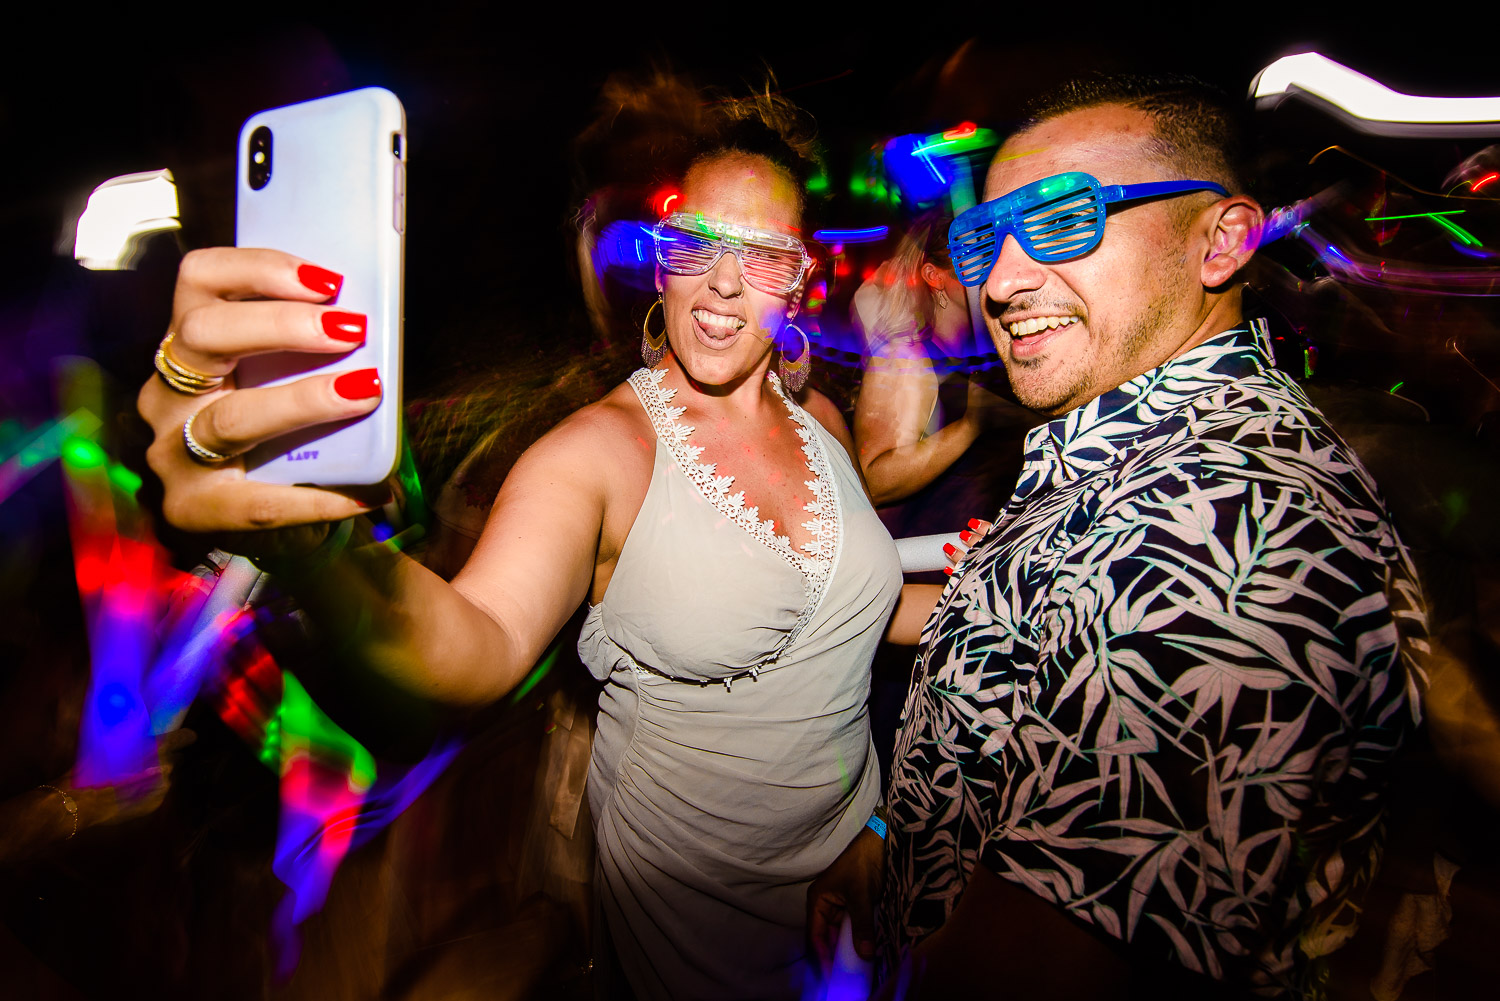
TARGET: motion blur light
(120,212)
(1369,105)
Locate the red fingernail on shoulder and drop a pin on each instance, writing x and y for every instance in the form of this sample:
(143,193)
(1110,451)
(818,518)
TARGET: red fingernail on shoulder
(965,536)
(320,280)
(948,548)
(974,524)
(342,326)
(361,384)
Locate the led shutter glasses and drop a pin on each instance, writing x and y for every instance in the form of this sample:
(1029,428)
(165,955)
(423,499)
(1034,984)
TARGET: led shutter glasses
(687,244)
(1055,219)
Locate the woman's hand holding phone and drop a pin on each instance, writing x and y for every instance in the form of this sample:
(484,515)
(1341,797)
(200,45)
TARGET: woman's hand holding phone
(231,303)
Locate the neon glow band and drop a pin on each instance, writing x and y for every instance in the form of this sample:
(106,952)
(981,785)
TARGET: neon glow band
(1364,98)
(832,236)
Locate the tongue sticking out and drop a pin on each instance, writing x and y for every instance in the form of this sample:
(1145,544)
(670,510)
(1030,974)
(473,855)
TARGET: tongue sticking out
(716,325)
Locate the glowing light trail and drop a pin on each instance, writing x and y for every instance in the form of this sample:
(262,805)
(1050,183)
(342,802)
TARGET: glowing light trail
(1370,105)
(831,236)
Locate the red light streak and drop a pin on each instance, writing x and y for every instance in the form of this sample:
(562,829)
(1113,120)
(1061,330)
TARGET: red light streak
(1487,178)
(962,131)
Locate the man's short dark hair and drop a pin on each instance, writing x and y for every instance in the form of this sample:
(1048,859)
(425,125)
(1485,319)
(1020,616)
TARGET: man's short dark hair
(1199,130)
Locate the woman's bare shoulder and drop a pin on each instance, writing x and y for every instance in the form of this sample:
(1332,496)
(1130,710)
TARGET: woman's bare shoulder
(598,433)
(823,410)
(826,412)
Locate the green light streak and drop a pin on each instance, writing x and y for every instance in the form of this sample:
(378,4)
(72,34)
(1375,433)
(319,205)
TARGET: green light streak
(978,139)
(46,442)
(1458,231)
(537,674)
(1397,386)
(306,727)
(1437,217)
(80,453)
(1413,215)
(126,481)
(417,512)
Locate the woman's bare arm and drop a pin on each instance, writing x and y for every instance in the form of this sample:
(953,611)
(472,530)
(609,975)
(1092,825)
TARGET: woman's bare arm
(472,641)
(468,642)
(896,400)
(912,612)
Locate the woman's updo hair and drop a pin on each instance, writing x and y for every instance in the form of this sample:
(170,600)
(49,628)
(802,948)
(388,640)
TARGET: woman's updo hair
(766,125)
(650,132)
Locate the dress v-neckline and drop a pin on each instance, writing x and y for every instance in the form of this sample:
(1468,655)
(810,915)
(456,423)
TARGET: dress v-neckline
(815,563)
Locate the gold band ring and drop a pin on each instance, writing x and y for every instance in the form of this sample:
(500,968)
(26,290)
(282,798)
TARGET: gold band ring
(179,376)
(204,455)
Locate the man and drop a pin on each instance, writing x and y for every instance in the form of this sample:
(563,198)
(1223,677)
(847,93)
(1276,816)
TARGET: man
(1145,740)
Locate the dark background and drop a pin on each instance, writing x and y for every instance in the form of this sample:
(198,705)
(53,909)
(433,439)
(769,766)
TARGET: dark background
(494,101)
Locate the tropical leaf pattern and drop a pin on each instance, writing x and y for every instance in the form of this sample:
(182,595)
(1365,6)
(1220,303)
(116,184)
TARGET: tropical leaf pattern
(1162,692)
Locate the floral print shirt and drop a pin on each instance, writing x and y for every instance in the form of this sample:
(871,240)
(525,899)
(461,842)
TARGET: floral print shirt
(1162,691)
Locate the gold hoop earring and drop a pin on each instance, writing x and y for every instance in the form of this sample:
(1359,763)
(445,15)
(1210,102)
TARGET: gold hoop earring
(653,347)
(794,373)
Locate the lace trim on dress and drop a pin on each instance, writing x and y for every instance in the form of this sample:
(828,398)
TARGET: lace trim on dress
(816,564)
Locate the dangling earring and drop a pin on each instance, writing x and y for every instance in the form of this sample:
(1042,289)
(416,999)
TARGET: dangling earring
(653,349)
(942,298)
(794,373)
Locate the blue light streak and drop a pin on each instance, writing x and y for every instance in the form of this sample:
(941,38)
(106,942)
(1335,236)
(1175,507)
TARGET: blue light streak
(828,237)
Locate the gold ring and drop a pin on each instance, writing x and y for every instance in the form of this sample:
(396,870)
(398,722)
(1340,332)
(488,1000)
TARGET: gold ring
(179,376)
(204,455)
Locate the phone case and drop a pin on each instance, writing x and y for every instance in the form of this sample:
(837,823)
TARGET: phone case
(336,196)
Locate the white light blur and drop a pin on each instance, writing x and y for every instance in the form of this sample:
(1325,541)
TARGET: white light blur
(1369,100)
(119,213)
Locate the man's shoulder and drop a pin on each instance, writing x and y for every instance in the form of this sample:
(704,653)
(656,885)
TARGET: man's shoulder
(1253,442)
(1262,427)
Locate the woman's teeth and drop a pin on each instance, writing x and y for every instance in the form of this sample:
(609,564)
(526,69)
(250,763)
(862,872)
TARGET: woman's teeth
(716,324)
(1038,323)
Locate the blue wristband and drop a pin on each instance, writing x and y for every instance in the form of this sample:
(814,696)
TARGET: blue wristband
(877,825)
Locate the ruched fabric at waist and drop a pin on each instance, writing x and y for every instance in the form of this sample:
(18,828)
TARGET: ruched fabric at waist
(740,771)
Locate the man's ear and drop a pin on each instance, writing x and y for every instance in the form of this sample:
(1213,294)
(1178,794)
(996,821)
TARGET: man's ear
(1235,227)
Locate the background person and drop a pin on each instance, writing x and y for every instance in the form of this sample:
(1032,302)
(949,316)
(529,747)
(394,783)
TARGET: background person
(938,447)
(922,404)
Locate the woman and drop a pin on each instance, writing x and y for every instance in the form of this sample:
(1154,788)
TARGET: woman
(937,447)
(736,574)
(920,410)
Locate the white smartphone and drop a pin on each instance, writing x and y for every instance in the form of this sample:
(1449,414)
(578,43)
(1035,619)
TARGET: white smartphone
(326,180)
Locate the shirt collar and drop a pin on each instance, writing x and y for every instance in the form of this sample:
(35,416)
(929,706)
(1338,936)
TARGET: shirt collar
(1091,436)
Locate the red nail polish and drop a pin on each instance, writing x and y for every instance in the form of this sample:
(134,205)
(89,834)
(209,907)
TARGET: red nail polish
(361,384)
(948,571)
(974,524)
(965,536)
(948,548)
(320,280)
(342,326)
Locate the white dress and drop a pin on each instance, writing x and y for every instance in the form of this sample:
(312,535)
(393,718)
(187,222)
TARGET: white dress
(733,760)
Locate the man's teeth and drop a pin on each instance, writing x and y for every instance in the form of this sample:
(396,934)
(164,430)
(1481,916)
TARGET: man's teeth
(715,323)
(1036,323)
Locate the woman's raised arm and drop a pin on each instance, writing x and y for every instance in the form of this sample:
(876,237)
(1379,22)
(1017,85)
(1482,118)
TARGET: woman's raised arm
(468,642)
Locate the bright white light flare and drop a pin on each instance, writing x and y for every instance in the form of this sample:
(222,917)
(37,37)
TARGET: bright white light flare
(1374,106)
(120,212)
